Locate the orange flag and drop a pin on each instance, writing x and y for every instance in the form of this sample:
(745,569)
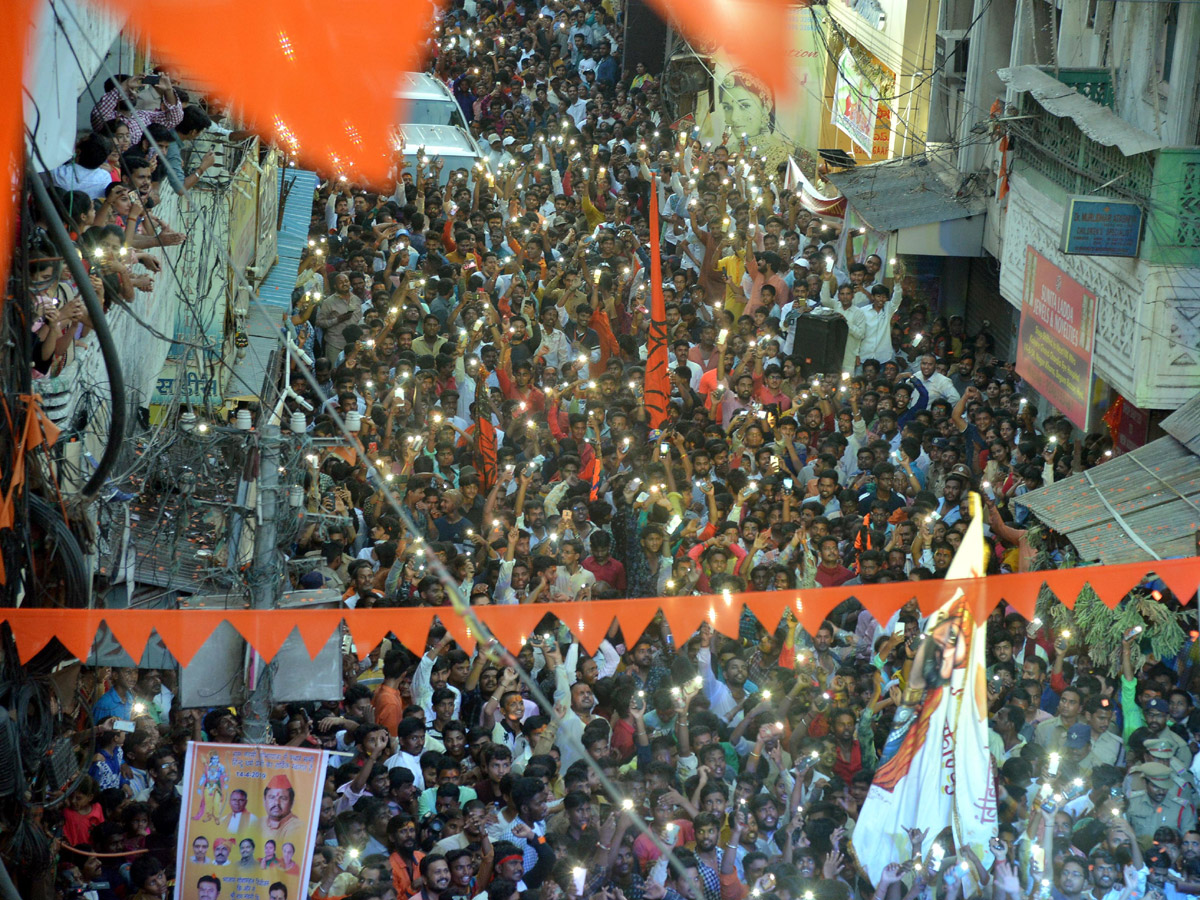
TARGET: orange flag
(14,38)
(485,450)
(753,34)
(320,75)
(657,393)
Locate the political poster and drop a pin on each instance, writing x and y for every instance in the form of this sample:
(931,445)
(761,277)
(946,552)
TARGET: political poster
(1054,343)
(248,823)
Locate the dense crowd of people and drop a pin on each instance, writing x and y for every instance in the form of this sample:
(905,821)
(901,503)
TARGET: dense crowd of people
(514,303)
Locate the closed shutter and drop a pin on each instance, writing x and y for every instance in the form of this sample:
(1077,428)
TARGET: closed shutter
(986,304)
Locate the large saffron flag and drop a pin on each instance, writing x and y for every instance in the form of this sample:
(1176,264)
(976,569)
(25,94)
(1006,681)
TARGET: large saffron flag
(657,393)
(942,773)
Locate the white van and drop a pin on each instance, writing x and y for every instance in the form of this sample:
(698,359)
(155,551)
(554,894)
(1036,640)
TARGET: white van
(456,148)
(427,101)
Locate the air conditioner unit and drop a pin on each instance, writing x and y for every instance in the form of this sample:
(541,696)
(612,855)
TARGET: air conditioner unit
(950,53)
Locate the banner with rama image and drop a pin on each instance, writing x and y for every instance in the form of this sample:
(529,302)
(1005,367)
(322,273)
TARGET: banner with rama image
(248,824)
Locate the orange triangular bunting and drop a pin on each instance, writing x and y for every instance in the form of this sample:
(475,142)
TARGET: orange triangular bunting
(417,621)
(463,631)
(1112,583)
(278,63)
(768,607)
(634,617)
(370,626)
(976,590)
(316,625)
(1181,576)
(812,607)
(1021,591)
(266,630)
(512,625)
(186,631)
(132,628)
(882,600)
(684,615)
(725,614)
(1066,584)
(34,628)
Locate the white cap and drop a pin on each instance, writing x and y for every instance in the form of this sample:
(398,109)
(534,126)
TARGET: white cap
(800,260)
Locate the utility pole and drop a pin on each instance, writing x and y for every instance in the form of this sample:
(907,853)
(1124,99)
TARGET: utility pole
(266,573)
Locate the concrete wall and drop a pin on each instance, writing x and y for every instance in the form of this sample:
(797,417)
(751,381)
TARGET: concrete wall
(64,59)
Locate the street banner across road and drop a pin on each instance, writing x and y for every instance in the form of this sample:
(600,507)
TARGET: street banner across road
(248,823)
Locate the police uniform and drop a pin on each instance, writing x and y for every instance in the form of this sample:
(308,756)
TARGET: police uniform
(1174,811)
(1163,751)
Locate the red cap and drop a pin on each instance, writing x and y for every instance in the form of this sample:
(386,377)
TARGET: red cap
(279,781)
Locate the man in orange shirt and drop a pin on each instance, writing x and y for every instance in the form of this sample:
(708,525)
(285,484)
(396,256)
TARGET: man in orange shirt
(388,702)
(406,858)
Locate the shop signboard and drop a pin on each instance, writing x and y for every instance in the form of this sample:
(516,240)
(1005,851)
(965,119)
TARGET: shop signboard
(1056,337)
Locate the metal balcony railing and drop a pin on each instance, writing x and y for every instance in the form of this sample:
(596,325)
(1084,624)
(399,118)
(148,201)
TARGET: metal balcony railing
(1164,182)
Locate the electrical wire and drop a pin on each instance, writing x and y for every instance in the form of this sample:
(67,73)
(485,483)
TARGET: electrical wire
(209,351)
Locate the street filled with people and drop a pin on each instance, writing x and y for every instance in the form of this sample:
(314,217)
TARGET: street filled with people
(479,337)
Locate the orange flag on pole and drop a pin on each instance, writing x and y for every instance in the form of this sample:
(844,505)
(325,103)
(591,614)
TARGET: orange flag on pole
(657,393)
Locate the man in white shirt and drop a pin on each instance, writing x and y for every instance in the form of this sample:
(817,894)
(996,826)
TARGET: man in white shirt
(577,109)
(722,702)
(411,734)
(790,312)
(682,348)
(571,577)
(238,818)
(590,62)
(84,173)
(555,348)
(855,320)
(497,154)
(877,342)
(939,386)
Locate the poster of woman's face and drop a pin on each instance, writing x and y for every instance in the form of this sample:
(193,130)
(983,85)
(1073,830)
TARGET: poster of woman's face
(746,113)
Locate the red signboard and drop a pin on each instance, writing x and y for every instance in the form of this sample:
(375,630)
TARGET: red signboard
(1054,345)
(1134,428)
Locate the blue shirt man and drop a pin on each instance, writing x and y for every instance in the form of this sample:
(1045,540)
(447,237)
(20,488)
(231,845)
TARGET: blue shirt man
(119,699)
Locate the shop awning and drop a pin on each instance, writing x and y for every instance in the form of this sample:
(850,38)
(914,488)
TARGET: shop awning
(1135,507)
(896,195)
(1098,122)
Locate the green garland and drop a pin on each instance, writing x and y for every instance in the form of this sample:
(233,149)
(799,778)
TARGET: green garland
(1099,630)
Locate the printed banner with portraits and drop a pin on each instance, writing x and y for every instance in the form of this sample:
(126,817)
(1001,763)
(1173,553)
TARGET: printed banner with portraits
(744,110)
(248,823)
